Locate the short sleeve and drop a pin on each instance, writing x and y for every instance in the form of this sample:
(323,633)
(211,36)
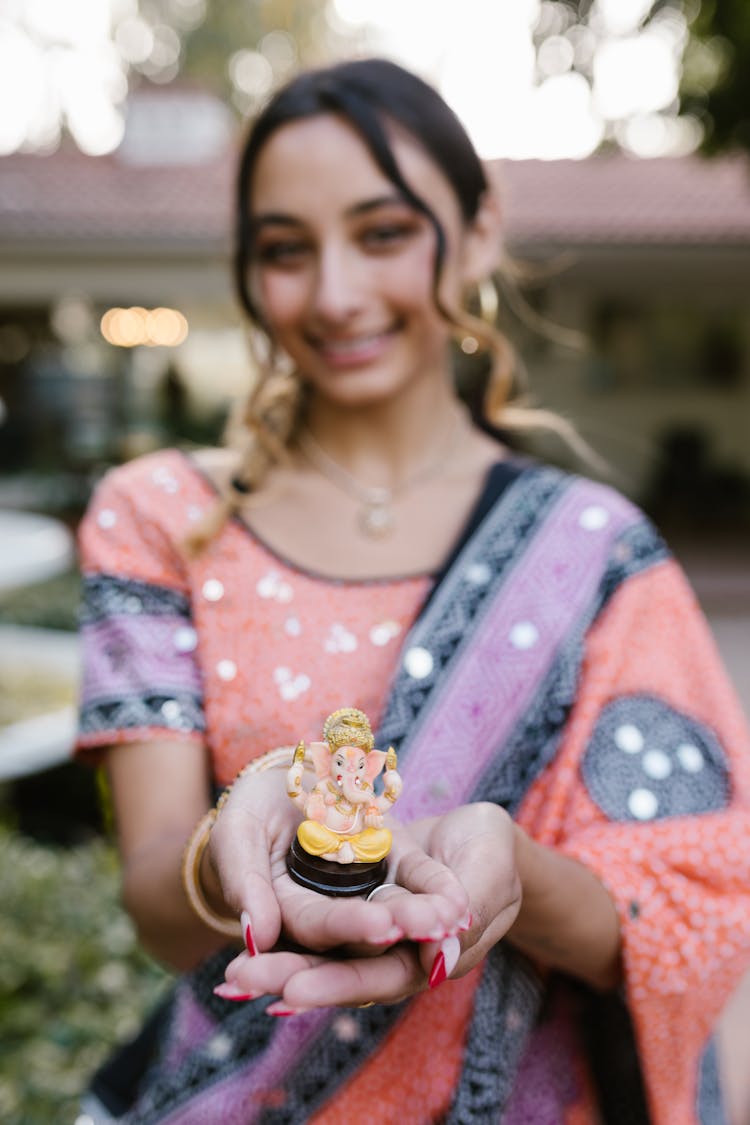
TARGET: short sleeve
(140,673)
(659,807)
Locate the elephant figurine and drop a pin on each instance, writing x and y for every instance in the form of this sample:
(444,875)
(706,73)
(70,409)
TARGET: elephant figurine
(343,813)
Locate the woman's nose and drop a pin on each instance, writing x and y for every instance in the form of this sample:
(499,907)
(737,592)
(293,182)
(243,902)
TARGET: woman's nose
(337,285)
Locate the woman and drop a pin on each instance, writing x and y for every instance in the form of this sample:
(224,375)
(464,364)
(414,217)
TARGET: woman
(576,778)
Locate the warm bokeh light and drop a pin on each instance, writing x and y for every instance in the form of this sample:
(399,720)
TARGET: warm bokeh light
(127,328)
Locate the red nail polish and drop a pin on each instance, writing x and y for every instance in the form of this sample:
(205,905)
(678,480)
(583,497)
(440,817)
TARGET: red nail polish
(231,992)
(247,931)
(394,934)
(281,1010)
(438,973)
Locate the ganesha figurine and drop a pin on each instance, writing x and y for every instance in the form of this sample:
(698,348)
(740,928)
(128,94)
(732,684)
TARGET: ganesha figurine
(341,846)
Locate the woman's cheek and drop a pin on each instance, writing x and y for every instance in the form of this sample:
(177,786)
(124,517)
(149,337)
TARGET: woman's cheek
(282,298)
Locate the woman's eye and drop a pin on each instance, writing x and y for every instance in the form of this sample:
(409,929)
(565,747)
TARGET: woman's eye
(288,252)
(387,235)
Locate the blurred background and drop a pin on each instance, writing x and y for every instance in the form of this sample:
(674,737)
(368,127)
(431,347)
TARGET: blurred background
(619,131)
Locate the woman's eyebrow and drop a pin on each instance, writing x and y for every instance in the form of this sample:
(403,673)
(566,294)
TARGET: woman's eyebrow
(379,201)
(281,218)
(275,218)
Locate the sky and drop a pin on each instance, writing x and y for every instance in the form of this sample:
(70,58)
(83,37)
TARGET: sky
(69,61)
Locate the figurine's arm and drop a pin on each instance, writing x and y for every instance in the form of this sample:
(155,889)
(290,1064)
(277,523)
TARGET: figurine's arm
(294,790)
(392,782)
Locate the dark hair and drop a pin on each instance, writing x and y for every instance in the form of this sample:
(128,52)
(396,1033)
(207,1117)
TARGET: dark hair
(366,93)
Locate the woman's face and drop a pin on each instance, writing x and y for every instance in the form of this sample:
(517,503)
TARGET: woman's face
(343,265)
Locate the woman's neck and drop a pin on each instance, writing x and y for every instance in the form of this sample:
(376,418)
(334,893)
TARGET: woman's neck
(382,444)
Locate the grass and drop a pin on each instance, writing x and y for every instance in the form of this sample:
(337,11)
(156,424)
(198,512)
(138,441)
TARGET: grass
(50,605)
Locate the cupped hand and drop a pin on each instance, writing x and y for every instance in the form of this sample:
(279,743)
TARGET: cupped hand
(248,848)
(472,848)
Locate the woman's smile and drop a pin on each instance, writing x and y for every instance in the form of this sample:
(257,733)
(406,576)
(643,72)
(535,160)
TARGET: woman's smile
(354,350)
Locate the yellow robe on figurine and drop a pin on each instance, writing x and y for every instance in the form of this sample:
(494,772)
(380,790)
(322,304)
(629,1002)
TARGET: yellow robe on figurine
(369,845)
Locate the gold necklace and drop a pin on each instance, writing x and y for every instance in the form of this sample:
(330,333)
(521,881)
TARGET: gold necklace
(376,517)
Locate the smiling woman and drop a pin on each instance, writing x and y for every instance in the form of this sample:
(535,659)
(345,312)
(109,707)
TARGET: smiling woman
(576,782)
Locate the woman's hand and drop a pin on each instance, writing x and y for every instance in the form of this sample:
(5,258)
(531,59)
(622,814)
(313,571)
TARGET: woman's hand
(248,847)
(475,845)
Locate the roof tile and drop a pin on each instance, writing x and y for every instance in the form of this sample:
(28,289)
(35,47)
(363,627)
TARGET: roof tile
(609,199)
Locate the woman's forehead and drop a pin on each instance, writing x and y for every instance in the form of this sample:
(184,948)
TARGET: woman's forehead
(323,160)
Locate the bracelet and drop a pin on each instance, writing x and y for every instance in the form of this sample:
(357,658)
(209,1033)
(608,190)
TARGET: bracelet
(191,863)
(198,842)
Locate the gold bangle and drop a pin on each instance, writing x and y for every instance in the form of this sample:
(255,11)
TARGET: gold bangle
(191,862)
(198,842)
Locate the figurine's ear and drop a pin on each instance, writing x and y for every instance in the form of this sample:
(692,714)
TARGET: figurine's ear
(375,761)
(321,757)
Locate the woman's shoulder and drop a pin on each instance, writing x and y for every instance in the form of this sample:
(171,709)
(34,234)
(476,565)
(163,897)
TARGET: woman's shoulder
(216,464)
(169,471)
(601,501)
(167,491)
(564,512)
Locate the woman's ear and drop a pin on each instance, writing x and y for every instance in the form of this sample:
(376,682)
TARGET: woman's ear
(483,239)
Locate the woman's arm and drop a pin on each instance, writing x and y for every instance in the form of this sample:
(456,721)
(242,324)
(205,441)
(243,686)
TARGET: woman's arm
(567,920)
(160,790)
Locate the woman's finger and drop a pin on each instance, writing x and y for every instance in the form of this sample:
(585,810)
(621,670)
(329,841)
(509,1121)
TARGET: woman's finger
(319,922)
(384,980)
(437,904)
(248,842)
(477,842)
(266,974)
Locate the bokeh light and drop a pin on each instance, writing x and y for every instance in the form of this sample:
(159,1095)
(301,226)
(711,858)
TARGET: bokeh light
(68,64)
(128,328)
(522,105)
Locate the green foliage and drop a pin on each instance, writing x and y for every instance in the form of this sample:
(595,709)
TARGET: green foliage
(715,84)
(720,33)
(47,605)
(73,980)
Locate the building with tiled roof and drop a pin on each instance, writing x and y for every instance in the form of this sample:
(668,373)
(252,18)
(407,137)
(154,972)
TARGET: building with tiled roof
(605,200)
(649,258)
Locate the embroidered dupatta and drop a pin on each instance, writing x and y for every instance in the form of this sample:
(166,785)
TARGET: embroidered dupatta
(485,688)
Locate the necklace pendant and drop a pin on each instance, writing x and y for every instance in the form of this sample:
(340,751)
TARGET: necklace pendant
(377,520)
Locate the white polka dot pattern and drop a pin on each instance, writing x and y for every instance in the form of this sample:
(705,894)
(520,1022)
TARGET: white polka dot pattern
(642,760)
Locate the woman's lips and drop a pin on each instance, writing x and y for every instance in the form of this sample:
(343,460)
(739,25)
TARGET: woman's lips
(353,351)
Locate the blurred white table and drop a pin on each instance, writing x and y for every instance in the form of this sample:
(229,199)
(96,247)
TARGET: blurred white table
(32,548)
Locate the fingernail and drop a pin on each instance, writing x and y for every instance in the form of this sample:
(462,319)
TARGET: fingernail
(394,934)
(437,973)
(445,961)
(280,1009)
(247,931)
(434,935)
(466,921)
(228,991)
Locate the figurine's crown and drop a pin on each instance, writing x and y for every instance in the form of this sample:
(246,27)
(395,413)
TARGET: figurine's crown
(348,727)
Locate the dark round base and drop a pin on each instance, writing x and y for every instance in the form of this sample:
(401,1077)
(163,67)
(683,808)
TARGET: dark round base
(340,880)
